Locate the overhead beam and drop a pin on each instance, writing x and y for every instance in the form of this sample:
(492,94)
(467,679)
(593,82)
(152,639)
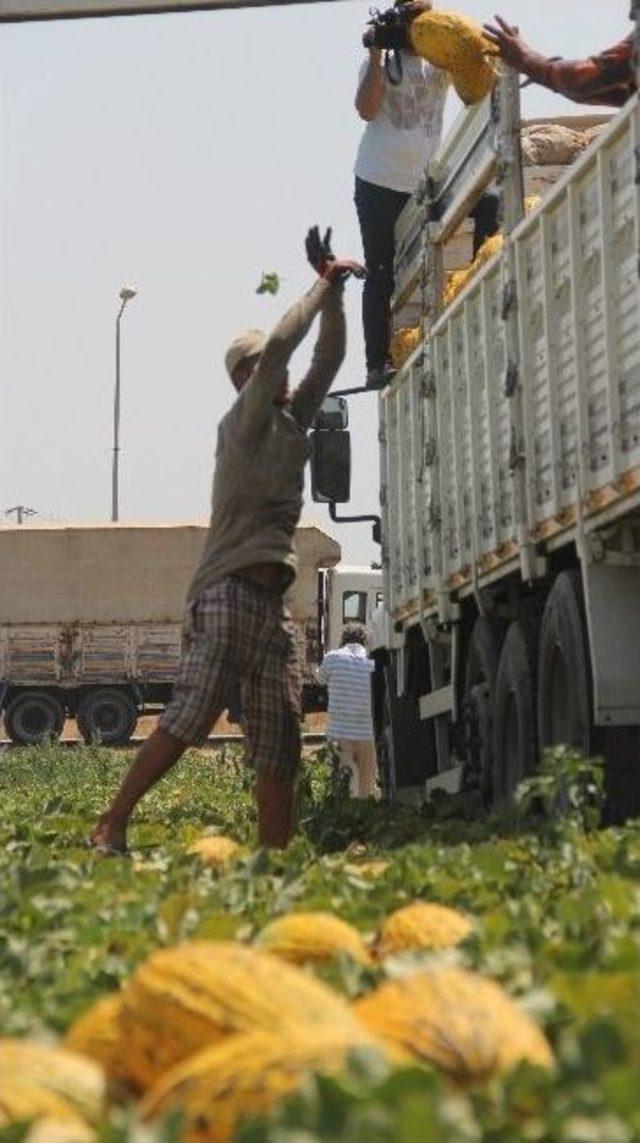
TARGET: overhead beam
(18,11)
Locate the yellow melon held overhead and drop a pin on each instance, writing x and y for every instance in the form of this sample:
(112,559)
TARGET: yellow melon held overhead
(457,44)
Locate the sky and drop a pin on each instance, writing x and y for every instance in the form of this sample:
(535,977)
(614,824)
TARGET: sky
(184,154)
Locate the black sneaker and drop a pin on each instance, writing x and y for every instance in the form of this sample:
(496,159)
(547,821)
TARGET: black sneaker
(380,376)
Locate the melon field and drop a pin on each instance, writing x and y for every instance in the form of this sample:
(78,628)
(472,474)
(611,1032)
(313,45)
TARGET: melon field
(512,1013)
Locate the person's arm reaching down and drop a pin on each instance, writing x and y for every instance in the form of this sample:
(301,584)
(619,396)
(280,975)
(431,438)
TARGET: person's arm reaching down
(606,78)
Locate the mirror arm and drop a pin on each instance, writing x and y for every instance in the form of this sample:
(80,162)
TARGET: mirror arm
(351,392)
(375,520)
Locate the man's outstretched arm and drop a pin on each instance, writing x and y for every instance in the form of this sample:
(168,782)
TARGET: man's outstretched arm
(328,356)
(260,392)
(607,78)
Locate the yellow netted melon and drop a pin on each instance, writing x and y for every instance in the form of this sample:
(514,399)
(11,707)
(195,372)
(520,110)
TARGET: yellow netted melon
(304,937)
(457,44)
(421,925)
(200,992)
(403,343)
(22,1099)
(244,1076)
(215,852)
(464,1024)
(97,1033)
(67,1075)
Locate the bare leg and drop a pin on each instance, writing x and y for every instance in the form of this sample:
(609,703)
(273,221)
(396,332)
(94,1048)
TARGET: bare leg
(155,757)
(367,765)
(275,799)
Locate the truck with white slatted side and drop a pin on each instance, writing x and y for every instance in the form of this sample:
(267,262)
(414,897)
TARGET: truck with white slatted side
(510,474)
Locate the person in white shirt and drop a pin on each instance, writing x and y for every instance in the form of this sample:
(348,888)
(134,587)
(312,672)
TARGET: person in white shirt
(347,674)
(403,133)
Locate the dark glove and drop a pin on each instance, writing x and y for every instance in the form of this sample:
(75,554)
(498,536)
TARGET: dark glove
(324,261)
(319,251)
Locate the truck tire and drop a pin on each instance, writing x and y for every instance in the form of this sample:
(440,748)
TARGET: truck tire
(404,743)
(515,739)
(33,717)
(107,715)
(481,671)
(564,675)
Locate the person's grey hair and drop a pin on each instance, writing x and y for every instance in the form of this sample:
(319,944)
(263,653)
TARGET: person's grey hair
(354,633)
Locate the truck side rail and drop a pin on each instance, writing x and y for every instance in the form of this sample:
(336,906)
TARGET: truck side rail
(516,423)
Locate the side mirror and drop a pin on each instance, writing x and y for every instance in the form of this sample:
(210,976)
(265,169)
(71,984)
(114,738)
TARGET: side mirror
(333,414)
(331,467)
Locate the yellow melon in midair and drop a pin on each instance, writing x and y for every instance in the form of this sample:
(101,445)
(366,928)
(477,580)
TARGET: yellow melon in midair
(464,1024)
(421,925)
(303,937)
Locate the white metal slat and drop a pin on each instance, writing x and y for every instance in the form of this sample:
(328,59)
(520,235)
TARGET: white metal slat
(417,465)
(492,419)
(474,444)
(456,412)
(384,501)
(403,507)
(608,274)
(552,381)
(581,396)
(444,502)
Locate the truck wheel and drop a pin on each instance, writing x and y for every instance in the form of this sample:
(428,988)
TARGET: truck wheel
(515,751)
(404,743)
(33,717)
(477,701)
(564,707)
(108,716)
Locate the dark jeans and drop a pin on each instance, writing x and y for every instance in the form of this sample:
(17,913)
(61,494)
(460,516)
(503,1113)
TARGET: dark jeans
(378,210)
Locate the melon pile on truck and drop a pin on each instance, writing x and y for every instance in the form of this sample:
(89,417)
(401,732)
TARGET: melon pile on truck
(510,473)
(91,621)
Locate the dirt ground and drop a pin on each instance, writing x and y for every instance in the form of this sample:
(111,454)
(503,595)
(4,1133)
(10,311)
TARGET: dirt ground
(313,724)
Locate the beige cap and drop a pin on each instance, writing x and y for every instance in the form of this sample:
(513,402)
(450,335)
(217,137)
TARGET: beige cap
(249,344)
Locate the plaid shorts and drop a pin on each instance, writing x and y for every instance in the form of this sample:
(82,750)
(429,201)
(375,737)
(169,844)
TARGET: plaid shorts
(239,634)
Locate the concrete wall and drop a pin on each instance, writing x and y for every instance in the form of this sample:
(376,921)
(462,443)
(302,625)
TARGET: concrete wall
(122,573)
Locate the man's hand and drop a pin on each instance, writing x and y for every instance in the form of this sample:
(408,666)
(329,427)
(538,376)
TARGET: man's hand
(507,38)
(318,249)
(324,261)
(342,268)
(416,7)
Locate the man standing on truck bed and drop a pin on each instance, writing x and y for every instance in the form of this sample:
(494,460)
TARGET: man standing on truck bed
(236,627)
(607,78)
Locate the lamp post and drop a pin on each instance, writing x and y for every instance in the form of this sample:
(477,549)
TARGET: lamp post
(125,295)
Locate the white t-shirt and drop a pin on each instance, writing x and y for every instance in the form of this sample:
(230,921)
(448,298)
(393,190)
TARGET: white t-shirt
(405,134)
(347,673)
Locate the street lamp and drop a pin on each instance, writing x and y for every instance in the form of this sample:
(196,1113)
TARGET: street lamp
(125,295)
